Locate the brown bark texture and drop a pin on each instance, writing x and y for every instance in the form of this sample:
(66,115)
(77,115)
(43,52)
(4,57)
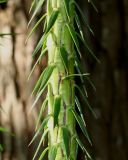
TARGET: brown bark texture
(110,101)
(15,90)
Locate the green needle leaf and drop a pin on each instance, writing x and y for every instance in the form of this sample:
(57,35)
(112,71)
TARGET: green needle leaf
(36,25)
(81,124)
(66,5)
(74,37)
(79,25)
(52,20)
(66,140)
(38,6)
(75,75)
(85,99)
(46,76)
(57,104)
(36,88)
(82,146)
(42,54)
(94,6)
(43,153)
(44,105)
(39,45)
(42,138)
(37,97)
(84,18)
(44,123)
(32,6)
(53,152)
(64,57)
(79,108)
(88,48)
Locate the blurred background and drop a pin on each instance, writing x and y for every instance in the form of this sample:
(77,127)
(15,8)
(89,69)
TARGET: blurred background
(109,131)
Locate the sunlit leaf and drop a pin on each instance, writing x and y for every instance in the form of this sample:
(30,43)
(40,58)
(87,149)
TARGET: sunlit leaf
(41,140)
(44,123)
(46,76)
(64,58)
(66,140)
(44,105)
(74,37)
(38,6)
(57,104)
(39,45)
(43,153)
(35,27)
(75,75)
(66,5)
(42,54)
(52,20)
(53,152)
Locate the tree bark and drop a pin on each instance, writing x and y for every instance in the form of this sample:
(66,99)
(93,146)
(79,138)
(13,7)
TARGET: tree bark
(109,131)
(15,90)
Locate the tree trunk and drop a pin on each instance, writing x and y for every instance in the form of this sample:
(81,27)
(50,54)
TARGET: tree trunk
(15,90)
(110,130)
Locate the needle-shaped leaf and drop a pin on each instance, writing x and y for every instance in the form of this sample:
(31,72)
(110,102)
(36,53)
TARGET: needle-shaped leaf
(74,37)
(41,55)
(43,79)
(88,48)
(37,86)
(75,75)
(38,6)
(35,26)
(81,124)
(41,140)
(64,57)
(39,45)
(78,68)
(83,17)
(79,108)
(79,25)
(37,97)
(53,152)
(57,104)
(82,146)
(44,123)
(94,6)
(66,140)
(52,20)
(32,6)
(43,153)
(44,105)
(66,5)
(46,76)
(85,100)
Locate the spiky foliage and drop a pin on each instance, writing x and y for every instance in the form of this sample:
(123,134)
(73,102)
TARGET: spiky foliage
(61,41)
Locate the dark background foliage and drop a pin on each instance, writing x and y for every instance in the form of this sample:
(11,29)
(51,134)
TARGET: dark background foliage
(109,131)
